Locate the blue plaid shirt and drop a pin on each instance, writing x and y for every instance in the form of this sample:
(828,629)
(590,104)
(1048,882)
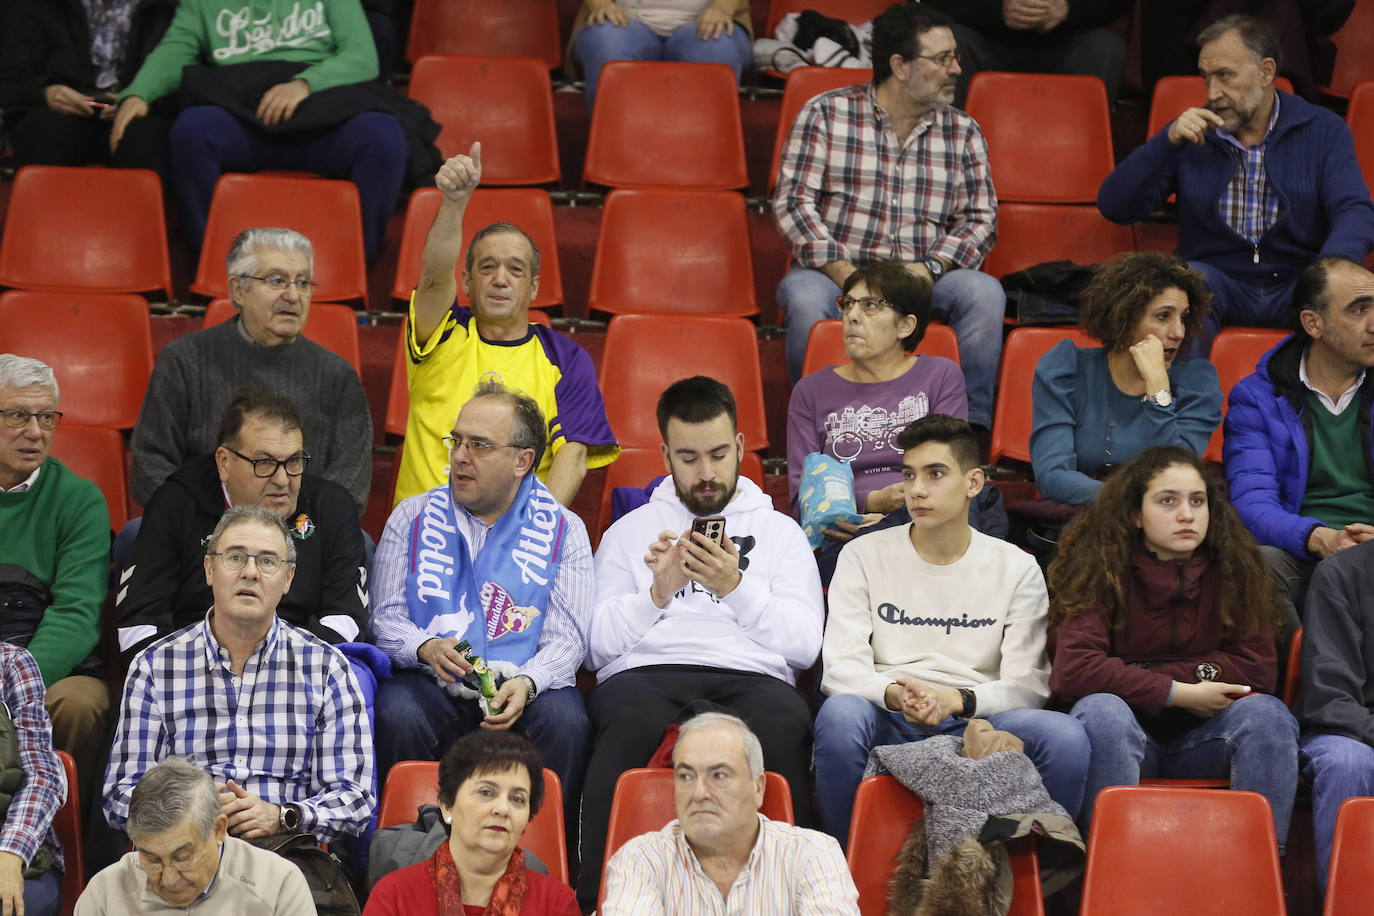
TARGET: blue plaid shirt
(1248,204)
(293,728)
(28,824)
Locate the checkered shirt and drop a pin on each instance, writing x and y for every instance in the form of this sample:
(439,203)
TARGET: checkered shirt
(850,189)
(293,728)
(1248,203)
(28,824)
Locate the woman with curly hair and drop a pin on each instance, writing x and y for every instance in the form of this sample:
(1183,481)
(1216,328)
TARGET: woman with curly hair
(1098,407)
(1165,614)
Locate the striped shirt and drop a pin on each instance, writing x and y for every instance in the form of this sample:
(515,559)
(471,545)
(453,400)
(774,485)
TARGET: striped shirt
(1248,203)
(850,189)
(293,728)
(790,872)
(563,638)
(28,824)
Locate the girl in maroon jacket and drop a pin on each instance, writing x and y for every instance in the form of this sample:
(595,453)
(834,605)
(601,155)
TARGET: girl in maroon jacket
(1164,616)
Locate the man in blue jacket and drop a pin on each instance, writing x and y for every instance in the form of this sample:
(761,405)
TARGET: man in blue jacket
(1266,182)
(1298,434)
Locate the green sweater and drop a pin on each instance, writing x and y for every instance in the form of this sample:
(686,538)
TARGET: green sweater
(59,530)
(331,38)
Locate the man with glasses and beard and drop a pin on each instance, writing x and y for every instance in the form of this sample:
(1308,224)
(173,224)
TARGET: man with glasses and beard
(681,618)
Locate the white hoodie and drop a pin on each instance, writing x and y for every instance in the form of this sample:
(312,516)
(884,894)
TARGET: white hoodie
(770,624)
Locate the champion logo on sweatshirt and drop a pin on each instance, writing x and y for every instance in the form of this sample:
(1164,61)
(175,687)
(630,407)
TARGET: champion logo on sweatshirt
(890,613)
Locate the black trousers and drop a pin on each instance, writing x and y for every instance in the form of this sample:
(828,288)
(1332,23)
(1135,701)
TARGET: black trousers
(46,137)
(630,711)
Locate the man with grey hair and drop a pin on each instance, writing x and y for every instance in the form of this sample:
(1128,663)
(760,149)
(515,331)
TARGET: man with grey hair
(491,559)
(272,711)
(698,861)
(183,855)
(196,375)
(54,558)
(1266,182)
(453,347)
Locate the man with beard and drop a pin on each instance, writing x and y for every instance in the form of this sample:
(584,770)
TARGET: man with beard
(1266,182)
(728,622)
(888,171)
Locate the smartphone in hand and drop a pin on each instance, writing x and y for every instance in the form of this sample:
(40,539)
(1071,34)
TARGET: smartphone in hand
(713,526)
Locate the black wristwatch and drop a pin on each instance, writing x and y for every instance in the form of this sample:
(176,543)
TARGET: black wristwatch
(290,817)
(936,268)
(970,703)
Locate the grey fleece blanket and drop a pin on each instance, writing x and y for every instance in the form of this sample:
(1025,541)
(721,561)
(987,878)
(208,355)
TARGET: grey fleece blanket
(960,793)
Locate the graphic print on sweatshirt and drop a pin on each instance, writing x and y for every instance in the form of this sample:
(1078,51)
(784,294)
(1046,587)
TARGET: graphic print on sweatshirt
(854,430)
(742,545)
(245,35)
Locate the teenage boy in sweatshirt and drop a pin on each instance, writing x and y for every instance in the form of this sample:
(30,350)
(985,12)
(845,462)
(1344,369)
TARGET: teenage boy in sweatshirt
(680,618)
(932,624)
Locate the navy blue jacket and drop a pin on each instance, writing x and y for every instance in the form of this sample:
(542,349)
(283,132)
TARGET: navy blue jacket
(1325,207)
(1268,447)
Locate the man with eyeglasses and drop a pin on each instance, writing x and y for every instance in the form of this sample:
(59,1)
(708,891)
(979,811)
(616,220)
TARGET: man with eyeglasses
(888,171)
(54,559)
(271,711)
(270,283)
(261,460)
(1038,36)
(489,558)
(184,858)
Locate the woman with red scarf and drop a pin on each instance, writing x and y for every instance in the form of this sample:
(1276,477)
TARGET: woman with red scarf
(490,784)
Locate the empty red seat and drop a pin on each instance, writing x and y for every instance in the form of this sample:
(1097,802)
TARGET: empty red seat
(509,28)
(676,252)
(662,124)
(1029,160)
(99,230)
(1029,234)
(529,208)
(323,210)
(334,327)
(1354,50)
(1235,353)
(804,84)
(97,454)
(100,347)
(506,103)
(825,345)
(1011,419)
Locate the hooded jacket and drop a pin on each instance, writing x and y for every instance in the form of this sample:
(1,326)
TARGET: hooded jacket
(163,587)
(1171,625)
(769,624)
(1267,451)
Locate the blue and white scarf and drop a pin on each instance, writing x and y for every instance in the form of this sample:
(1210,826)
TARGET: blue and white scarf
(496,602)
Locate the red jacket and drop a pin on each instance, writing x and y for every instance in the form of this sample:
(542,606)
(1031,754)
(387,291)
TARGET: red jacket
(1171,626)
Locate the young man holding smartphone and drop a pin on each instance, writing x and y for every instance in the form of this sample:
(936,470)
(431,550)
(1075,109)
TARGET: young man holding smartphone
(681,618)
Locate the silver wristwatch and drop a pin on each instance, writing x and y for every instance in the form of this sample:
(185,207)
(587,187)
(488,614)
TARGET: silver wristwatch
(1161,398)
(529,684)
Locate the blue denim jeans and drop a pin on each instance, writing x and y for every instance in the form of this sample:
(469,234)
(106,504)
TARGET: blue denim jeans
(1253,742)
(43,895)
(971,301)
(849,726)
(603,42)
(1338,768)
(1248,303)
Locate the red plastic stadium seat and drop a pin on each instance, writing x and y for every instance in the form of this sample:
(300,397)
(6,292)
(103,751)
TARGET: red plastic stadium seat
(1176,94)
(1031,162)
(1029,234)
(97,454)
(825,346)
(852,11)
(644,354)
(1350,884)
(1155,850)
(507,103)
(1354,50)
(635,467)
(98,230)
(660,124)
(412,783)
(325,211)
(510,28)
(100,346)
(1235,353)
(334,327)
(529,208)
(1360,117)
(804,84)
(708,272)
(643,803)
(1011,420)
(67,824)
(883,814)
(1292,675)
(398,397)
